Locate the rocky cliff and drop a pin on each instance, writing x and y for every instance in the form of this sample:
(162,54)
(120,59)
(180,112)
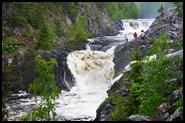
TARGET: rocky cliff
(30,29)
(120,105)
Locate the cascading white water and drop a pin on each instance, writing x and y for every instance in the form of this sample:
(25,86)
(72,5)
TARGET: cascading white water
(93,72)
(130,26)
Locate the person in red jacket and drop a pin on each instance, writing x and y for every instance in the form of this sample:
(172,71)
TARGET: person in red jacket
(135,35)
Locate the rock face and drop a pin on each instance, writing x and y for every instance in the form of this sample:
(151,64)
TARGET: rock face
(176,95)
(103,111)
(121,59)
(116,90)
(163,111)
(64,77)
(21,72)
(174,31)
(175,116)
(99,23)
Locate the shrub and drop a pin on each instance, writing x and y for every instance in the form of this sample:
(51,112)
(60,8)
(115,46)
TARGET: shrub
(147,96)
(118,11)
(10,45)
(136,71)
(160,45)
(78,31)
(157,72)
(124,107)
(179,8)
(44,86)
(29,31)
(27,12)
(179,103)
(47,35)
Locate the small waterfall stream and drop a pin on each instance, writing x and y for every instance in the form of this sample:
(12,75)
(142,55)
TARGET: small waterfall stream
(93,70)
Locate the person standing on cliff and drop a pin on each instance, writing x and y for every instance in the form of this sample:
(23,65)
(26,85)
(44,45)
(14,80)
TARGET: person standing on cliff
(135,35)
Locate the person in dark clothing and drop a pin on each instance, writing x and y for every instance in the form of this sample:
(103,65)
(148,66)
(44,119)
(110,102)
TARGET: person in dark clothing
(135,38)
(142,34)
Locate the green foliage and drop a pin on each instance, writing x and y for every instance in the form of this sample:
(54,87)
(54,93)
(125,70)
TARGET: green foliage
(29,31)
(151,83)
(78,31)
(124,107)
(161,9)
(44,86)
(45,112)
(160,45)
(118,10)
(70,8)
(152,92)
(179,103)
(136,73)
(137,55)
(179,8)
(27,12)
(177,45)
(149,99)
(47,35)
(10,45)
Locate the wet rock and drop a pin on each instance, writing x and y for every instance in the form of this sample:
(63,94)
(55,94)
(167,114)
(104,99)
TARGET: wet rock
(21,72)
(18,29)
(163,111)
(138,118)
(64,77)
(121,92)
(170,51)
(175,95)
(119,25)
(175,54)
(103,112)
(175,116)
(171,80)
(47,54)
(121,57)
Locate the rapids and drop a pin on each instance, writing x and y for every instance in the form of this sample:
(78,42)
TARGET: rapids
(93,71)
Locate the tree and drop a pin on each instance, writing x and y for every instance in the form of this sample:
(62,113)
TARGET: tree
(44,86)
(136,73)
(161,10)
(179,8)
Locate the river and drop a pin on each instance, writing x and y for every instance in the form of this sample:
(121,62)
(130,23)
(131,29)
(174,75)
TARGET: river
(93,70)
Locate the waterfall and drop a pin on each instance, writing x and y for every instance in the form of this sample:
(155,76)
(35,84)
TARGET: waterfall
(93,72)
(88,74)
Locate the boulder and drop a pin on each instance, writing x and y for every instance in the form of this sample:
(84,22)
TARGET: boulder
(175,95)
(103,112)
(121,92)
(163,111)
(175,116)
